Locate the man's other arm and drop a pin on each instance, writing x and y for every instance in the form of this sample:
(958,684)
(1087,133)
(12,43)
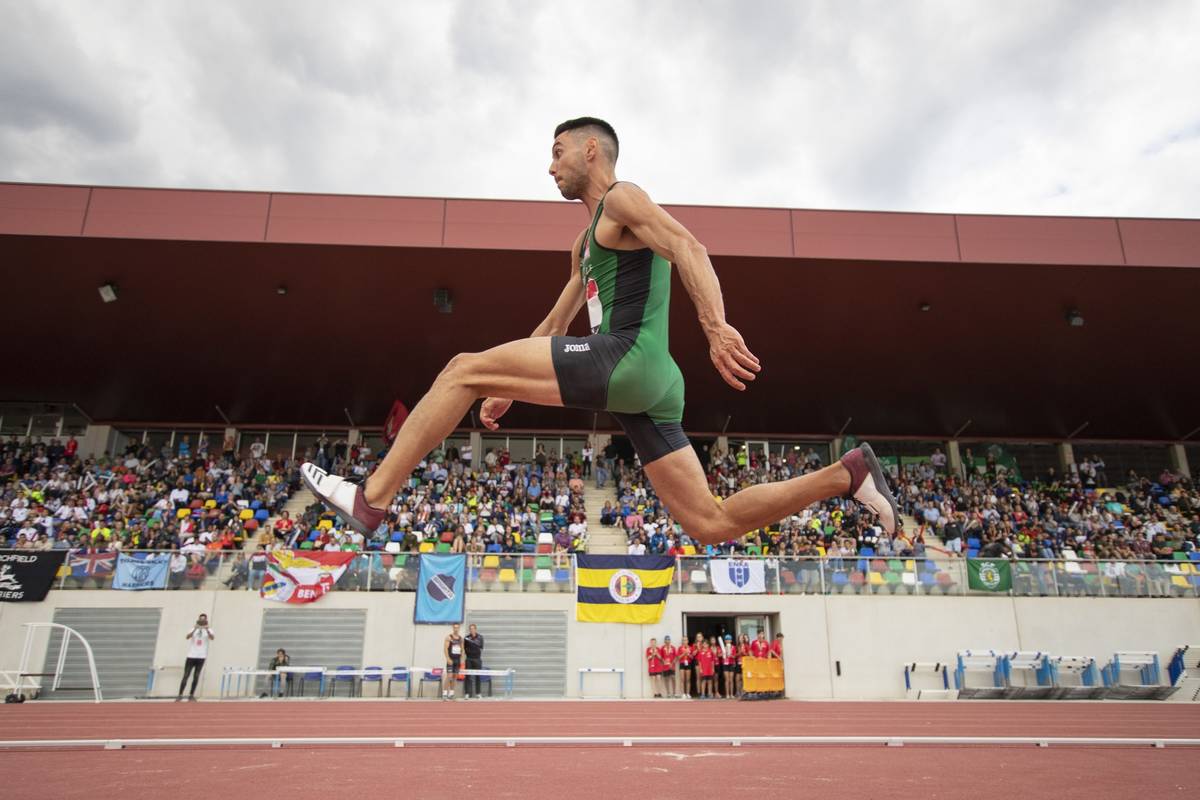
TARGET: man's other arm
(570,300)
(628,205)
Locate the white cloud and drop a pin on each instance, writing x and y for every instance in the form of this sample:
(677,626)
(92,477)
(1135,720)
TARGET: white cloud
(1020,107)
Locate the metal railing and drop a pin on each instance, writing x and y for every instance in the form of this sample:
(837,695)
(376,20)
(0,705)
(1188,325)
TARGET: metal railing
(861,575)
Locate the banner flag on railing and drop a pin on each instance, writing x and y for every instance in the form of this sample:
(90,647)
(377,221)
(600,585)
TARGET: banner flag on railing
(302,576)
(136,571)
(989,575)
(26,576)
(91,563)
(441,589)
(629,589)
(738,576)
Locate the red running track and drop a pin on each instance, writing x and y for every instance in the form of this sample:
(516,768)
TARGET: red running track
(168,720)
(580,772)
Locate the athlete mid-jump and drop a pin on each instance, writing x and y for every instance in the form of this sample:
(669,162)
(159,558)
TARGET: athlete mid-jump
(621,269)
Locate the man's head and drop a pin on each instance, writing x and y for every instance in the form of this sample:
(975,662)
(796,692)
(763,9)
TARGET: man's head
(473,629)
(202,619)
(580,146)
(454,629)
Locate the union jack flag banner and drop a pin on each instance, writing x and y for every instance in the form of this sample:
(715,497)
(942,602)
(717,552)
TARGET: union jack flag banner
(91,563)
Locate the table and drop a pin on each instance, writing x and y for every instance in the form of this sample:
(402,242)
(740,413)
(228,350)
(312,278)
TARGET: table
(618,671)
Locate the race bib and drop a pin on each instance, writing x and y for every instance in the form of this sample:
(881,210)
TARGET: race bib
(455,649)
(594,306)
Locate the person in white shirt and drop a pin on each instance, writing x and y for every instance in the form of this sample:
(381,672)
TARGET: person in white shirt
(637,548)
(198,638)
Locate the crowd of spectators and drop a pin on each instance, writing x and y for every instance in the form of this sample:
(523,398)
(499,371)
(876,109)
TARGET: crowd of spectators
(500,507)
(1080,514)
(834,527)
(1077,515)
(186,498)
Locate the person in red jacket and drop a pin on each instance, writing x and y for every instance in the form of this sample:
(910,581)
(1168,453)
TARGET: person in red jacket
(760,647)
(743,650)
(777,647)
(654,663)
(667,655)
(705,663)
(728,663)
(684,654)
(695,650)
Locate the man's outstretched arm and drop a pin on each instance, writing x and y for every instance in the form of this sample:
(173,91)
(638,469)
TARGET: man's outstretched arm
(628,205)
(570,300)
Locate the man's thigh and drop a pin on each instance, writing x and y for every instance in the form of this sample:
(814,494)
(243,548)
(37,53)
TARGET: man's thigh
(519,370)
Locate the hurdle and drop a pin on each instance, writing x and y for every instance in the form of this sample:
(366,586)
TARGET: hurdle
(1183,673)
(979,662)
(1083,668)
(1037,675)
(928,670)
(618,671)
(1145,664)
(23,672)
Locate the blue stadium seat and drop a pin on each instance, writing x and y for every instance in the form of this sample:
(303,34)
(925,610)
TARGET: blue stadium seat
(262,515)
(972,553)
(255,505)
(867,552)
(974,543)
(397,537)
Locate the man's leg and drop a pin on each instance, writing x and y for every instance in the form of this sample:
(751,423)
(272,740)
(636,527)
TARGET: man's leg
(196,676)
(521,370)
(188,666)
(680,483)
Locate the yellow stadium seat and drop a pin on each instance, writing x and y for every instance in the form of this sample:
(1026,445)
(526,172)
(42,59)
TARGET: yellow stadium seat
(491,562)
(324,524)
(183,513)
(821,551)
(426,547)
(210,503)
(246,514)
(508,576)
(910,564)
(1179,580)
(689,549)
(877,579)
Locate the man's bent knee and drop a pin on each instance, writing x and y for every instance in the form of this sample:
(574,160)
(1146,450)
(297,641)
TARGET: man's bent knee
(462,370)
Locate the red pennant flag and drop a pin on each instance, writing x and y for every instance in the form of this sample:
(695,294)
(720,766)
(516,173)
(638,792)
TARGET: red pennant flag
(395,419)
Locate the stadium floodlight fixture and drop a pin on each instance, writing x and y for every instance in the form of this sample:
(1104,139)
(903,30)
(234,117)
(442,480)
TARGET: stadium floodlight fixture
(924,307)
(108,292)
(442,301)
(281,289)
(1074,319)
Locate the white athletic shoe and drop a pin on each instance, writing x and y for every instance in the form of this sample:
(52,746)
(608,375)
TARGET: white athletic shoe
(344,498)
(869,487)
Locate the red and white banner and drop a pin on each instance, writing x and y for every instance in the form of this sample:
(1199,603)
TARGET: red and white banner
(302,576)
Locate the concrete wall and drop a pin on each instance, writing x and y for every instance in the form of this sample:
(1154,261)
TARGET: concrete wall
(870,637)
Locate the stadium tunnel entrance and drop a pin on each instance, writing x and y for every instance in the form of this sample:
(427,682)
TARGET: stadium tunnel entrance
(734,624)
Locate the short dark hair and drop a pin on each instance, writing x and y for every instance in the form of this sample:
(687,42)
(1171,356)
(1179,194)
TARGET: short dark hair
(604,130)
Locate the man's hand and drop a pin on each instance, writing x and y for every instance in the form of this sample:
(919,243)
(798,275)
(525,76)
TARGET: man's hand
(731,357)
(493,409)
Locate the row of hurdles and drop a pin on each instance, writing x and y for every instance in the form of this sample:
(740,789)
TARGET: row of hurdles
(1038,675)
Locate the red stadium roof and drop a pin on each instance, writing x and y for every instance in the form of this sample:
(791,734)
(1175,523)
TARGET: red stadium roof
(828,300)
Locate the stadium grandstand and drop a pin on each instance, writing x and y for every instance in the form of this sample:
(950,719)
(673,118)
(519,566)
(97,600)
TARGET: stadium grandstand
(1039,427)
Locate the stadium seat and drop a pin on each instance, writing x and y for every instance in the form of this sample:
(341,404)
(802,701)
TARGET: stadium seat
(447,537)
(545,538)
(325,524)
(374,675)
(973,543)
(210,503)
(184,513)
(425,547)
(562,576)
(255,505)
(262,515)
(699,579)
(306,545)
(442,547)
(399,674)
(508,578)
(250,525)
(397,536)
(839,581)
(543,576)
(245,513)
(487,576)
(491,562)
(545,548)
(433,676)
(197,503)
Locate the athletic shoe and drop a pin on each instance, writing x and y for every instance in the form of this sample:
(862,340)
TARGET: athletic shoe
(869,487)
(191,699)
(344,498)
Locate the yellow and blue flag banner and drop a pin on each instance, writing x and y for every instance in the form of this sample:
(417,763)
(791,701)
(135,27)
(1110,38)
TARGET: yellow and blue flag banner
(630,589)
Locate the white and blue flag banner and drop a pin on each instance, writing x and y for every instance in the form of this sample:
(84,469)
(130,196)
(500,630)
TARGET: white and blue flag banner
(441,589)
(738,576)
(141,571)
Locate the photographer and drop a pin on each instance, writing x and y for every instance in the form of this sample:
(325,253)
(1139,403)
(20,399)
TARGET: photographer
(198,638)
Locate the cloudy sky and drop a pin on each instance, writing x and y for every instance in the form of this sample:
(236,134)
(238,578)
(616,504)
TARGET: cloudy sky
(1083,107)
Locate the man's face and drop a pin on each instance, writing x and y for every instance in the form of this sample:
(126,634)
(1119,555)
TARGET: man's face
(454,630)
(568,164)
(474,630)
